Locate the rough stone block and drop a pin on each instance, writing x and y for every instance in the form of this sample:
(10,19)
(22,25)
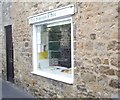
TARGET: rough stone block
(114,83)
(88,45)
(114,35)
(103,80)
(79,45)
(88,77)
(93,36)
(103,68)
(96,61)
(112,45)
(114,61)
(109,72)
(106,61)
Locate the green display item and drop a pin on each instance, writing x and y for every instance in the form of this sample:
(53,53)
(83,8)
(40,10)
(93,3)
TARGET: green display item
(55,33)
(54,45)
(54,36)
(55,54)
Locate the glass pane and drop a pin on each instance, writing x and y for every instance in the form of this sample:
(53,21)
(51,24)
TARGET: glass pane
(54,33)
(54,46)
(42,47)
(60,45)
(44,34)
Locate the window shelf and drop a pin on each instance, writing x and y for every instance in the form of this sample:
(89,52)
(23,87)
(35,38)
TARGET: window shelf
(54,75)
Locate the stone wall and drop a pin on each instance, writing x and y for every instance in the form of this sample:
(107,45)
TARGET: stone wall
(0,38)
(97,47)
(5,20)
(96,51)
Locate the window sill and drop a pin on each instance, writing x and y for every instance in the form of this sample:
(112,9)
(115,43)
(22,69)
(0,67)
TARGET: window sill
(54,76)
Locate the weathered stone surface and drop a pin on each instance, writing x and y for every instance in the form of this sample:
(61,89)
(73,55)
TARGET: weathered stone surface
(117,72)
(115,95)
(106,61)
(81,87)
(114,35)
(88,45)
(114,83)
(96,61)
(93,36)
(103,68)
(79,45)
(88,77)
(113,45)
(109,72)
(114,61)
(97,89)
(103,80)
(26,44)
(100,47)
(78,63)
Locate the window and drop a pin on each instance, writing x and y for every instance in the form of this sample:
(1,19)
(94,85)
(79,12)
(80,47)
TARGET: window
(54,52)
(53,44)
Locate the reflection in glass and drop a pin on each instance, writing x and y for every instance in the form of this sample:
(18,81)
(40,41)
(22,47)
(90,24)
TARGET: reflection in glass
(54,46)
(60,45)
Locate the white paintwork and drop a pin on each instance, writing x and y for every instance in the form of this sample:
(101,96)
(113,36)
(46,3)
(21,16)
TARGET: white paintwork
(59,23)
(58,76)
(56,13)
(72,50)
(34,48)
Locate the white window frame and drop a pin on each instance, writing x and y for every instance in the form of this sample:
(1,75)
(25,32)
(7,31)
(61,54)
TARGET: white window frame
(35,64)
